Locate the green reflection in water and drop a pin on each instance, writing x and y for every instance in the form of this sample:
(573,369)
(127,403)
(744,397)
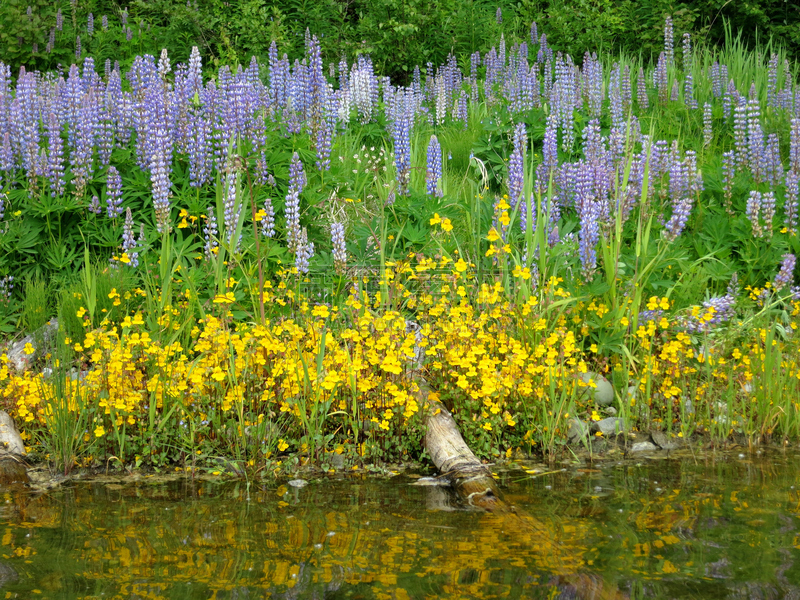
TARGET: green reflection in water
(721,527)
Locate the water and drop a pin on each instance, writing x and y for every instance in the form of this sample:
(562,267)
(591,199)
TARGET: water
(725,526)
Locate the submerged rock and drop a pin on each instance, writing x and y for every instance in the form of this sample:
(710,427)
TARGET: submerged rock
(642,447)
(12,471)
(298,483)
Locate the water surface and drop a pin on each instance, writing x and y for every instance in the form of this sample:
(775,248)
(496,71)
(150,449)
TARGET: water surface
(716,526)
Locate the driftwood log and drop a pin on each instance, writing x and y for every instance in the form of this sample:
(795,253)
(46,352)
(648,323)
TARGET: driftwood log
(469,477)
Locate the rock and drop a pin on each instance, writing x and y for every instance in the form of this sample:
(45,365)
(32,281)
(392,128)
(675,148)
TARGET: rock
(7,574)
(603,392)
(642,447)
(662,441)
(578,431)
(610,411)
(337,461)
(610,426)
(18,358)
(10,440)
(298,483)
(12,471)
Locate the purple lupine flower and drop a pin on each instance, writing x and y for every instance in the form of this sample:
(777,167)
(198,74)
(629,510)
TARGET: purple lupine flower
(771,159)
(728,175)
(669,40)
(159,177)
(790,205)
(516,165)
(94,205)
(675,95)
(59,20)
(641,91)
(768,211)
(550,145)
(755,140)
(363,88)
(199,149)
(785,275)
(660,79)
(794,147)
(688,91)
(3,198)
(680,215)
(90,24)
(403,117)
(210,233)
(716,80)
(772,82)
(339,247)
(51,40)
(128,242)
(262,169)
(740,135)
(625,89)
(55,157)
(305,251)
(7,163)
(128,34)
(589,235)
(564,99)
(593,84)
(708,131)
(124,16)
(113,193)
(78,47)
(723,307)
(297,181)
(164,66)
(753,212)
(233,211)
(730,98)
(498,16)
(593,144)
(686,47)
(6,287)
(268,222)
(615,98)
(678,180)
(433,174)
(104,23)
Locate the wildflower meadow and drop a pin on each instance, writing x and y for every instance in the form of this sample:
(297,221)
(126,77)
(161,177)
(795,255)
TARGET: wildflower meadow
(267,263)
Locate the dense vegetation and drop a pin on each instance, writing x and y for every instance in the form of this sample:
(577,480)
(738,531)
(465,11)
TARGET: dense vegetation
(250,259)
(397,34)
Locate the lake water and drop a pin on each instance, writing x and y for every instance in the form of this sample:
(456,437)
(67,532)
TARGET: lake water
(688,526)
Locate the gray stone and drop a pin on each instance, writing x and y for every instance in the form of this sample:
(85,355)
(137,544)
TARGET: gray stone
(337,461)
(298,483)
(578,431)
(609,426)
(661,440)
(603,393)
(642,447)
(21,360)
(610,411)
(10,440)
